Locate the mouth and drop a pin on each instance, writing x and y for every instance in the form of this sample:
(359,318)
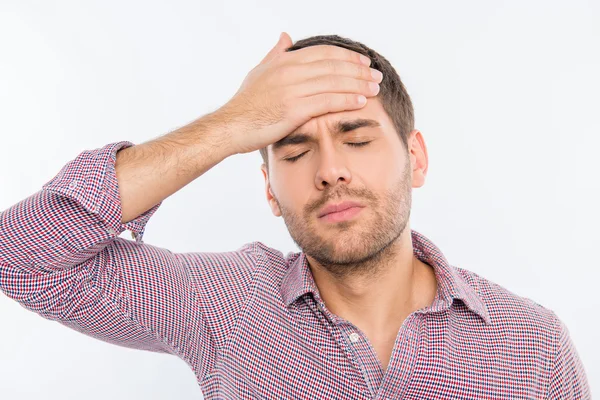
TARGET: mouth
(343,215)
(340,212)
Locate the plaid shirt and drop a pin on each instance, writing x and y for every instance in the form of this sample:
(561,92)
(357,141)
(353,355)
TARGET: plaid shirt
(251,324)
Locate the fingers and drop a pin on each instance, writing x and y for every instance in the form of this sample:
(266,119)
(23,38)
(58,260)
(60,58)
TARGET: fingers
(324,52)
(320,104)
(295,73)
(283,43)
(334,84)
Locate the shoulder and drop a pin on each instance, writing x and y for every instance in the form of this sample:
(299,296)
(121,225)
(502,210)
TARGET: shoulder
(533,331)
(251,261)
(509,310)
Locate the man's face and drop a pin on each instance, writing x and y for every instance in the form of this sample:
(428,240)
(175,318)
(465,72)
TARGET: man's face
(331,171)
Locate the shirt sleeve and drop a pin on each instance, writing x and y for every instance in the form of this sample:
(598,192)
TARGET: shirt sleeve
(568,379)
(61,257)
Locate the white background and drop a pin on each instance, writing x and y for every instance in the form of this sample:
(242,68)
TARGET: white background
(506,95)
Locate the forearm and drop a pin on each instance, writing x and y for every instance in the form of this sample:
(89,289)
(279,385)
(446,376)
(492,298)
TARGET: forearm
(150,172)
(279,95)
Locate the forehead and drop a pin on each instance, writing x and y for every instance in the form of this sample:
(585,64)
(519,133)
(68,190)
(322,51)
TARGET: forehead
(372,110)
(326,124)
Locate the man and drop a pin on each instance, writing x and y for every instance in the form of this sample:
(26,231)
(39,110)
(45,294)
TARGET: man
(370,309)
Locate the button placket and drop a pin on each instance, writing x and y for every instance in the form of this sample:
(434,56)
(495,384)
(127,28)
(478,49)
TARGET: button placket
(357,348)
(354,337)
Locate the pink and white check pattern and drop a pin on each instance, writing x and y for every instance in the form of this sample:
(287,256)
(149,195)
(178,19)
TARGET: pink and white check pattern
(251,323)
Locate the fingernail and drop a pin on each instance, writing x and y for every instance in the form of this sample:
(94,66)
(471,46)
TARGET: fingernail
(374,87)
(365,60)
(376,74)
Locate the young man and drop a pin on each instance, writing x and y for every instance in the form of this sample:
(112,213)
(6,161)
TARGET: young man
(369,308)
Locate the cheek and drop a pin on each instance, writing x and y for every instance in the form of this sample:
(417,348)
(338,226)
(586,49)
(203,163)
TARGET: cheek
(374,163)
(380,171)
(292,194)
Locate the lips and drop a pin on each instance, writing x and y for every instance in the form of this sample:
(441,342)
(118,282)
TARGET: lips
(332,208)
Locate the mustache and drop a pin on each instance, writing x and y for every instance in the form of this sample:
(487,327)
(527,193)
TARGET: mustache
(341,193)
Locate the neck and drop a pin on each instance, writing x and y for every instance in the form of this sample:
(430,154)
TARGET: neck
(378,295)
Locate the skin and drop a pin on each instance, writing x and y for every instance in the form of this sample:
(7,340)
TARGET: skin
(364,268)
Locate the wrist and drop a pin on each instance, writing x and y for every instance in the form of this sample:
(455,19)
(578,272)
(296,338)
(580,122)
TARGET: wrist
(217,131)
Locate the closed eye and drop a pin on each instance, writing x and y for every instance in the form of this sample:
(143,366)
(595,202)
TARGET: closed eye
(292,159)
(358,144)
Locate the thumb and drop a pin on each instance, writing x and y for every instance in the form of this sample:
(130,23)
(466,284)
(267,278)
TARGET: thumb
(283,43)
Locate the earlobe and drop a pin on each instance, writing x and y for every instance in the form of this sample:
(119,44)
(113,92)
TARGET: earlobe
(274,206)
(270,198)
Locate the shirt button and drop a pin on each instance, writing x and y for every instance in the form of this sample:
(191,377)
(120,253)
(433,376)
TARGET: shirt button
(73,184)
(111,231)
(354,337)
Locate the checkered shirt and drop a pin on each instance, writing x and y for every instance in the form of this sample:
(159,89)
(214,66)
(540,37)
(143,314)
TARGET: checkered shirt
(251,323)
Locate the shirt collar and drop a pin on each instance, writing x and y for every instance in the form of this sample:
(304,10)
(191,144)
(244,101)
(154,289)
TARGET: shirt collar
(298,279)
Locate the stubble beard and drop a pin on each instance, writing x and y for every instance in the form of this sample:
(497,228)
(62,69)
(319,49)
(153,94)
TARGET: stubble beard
(357,247)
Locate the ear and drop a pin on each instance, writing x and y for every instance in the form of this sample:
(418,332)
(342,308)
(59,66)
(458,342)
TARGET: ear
(419,160)
(270,198)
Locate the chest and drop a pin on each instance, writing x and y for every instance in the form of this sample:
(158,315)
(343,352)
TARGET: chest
(382,341)
(383,348)
(271,353)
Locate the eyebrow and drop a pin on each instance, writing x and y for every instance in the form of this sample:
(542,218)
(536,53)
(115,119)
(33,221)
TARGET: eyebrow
(341,127)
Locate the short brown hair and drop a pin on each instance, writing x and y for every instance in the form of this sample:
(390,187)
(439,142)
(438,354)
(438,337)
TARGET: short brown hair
(392,93)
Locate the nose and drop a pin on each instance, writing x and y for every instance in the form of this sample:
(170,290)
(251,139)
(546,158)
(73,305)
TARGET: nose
(332,169)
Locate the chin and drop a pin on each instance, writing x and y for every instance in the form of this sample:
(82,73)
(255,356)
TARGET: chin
(347,248)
